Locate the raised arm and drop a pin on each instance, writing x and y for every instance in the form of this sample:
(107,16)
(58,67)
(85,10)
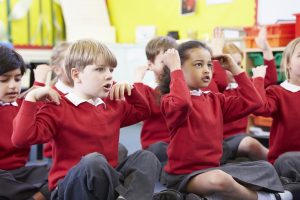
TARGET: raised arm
(34,124)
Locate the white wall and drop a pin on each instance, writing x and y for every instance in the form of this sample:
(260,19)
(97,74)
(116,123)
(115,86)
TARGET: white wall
(270,11)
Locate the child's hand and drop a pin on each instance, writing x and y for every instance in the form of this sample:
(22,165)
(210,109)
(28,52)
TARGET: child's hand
(43,94)
(228,63)
(140,73)
(261,39)
(259,71)
(118,91)
(218,41)
(41,73)
(171,59)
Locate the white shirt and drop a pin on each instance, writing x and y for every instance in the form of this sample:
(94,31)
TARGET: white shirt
(76,100)
(232,86)
(63,87)
(289,86)
(8,104)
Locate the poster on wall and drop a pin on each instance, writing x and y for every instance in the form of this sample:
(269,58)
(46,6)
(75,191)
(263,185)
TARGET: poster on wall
(188,7)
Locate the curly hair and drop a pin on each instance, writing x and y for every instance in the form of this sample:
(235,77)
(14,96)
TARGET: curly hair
(165,78)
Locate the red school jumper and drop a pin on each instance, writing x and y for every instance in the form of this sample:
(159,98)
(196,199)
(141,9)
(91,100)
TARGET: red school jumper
(240,126)
(77,130)
(281,102)
(196,122)
(11,157)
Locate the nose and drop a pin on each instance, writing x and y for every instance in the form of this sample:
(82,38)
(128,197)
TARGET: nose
(205,69)
(108,75)
(12,84)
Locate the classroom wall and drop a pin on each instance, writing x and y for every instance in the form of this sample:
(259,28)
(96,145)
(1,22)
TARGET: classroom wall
(125,15)
(42,25)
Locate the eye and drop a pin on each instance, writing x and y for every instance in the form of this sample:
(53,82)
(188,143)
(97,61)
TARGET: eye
(18,79)
(210,65)
(111,69)
(198,65)
(4,80)
(100,69)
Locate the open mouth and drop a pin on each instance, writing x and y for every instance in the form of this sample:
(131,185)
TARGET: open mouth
(107,87)
(206,79)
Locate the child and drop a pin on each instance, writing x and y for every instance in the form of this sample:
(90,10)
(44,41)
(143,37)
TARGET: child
(64,86)
(155,134)
(195,120)
(235,138)
(281,102)
(17,181)
(84,126)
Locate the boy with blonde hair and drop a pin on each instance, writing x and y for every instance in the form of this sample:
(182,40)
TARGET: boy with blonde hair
(84,126)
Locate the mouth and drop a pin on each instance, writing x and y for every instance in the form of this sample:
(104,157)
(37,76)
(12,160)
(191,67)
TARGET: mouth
(12,94)
(206,79)
(107,87)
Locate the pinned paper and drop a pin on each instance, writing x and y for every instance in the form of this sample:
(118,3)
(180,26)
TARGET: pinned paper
(20,9)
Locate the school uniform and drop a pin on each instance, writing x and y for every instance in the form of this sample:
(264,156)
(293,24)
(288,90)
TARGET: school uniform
(281,102)
(235,132)
(154,133)
(85,133)
(63,89)
(17,181)
(195,120)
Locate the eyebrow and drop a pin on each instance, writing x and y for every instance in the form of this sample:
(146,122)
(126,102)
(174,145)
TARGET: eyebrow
(6,75)
(201,61)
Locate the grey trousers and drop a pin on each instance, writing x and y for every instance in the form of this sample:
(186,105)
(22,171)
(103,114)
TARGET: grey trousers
(159,149)
(94,179)
(23,183)
(288,165)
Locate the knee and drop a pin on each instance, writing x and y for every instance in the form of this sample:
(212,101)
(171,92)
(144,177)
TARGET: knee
(144,155)
(94,162)
(249,144)
(220,181)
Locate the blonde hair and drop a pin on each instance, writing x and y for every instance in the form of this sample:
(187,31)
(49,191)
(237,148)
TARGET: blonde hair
(158,44)
(287,55)
(59,53)
(88,52)
(231,48)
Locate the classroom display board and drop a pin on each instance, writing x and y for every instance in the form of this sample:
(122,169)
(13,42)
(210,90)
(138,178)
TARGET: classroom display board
(31,22)
(127,15)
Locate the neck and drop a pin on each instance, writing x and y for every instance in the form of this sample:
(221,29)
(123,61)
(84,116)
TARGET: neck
(81,94)
(294,80)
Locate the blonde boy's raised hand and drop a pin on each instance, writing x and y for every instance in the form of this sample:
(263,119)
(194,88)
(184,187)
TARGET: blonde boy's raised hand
(171,59)
(119,90)
(228,63)
(259,71)
(43,94)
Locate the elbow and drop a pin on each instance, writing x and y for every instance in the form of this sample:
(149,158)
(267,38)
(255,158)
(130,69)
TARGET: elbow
(17,142)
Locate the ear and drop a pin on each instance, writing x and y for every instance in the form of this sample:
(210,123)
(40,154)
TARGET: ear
(75,75)
(150,65)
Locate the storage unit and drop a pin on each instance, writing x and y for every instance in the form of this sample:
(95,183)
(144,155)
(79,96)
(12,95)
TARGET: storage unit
(297,27)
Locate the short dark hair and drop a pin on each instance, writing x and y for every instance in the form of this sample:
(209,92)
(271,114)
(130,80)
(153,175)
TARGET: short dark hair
(10,60)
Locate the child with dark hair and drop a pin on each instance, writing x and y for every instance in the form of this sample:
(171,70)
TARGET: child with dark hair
(195,119)
(17,181)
